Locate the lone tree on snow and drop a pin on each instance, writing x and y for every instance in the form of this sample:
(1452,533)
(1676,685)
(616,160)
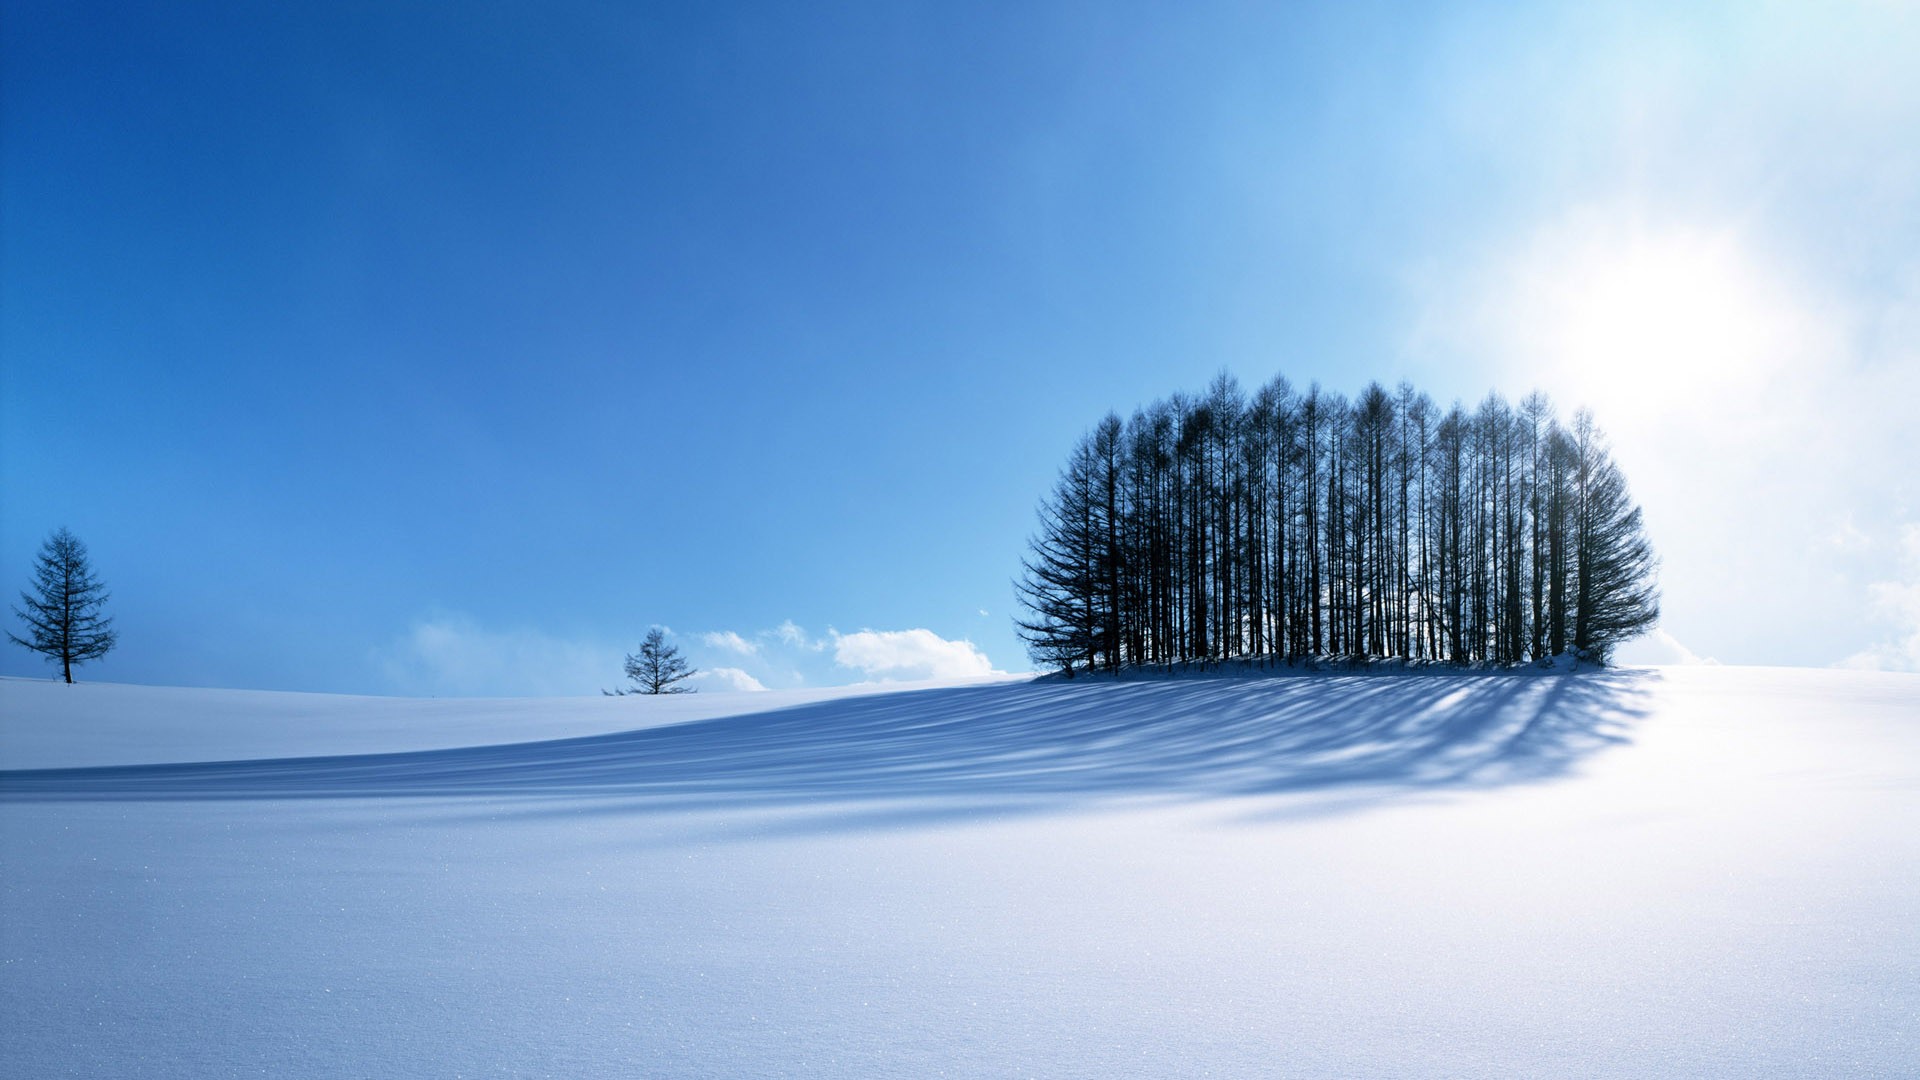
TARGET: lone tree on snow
(657,668)
(64,622)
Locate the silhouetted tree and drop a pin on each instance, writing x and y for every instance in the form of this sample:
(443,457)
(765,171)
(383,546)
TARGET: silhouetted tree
(657,668)
(1616,597)
(63,612)
(1304,525)
(1062,581)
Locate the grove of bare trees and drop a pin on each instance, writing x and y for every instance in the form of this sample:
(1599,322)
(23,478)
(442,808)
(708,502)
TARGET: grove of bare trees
(1300,524)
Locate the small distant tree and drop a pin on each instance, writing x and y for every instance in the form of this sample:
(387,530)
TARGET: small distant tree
(63,611)
(658,668)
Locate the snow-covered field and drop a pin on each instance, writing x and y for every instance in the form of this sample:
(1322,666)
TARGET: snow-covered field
(1667,872)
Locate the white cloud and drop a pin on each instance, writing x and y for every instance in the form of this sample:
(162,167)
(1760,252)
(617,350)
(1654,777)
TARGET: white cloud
(787,656)
(454,656)
(728,679)
(728,641)
(889,655)
(1896,604)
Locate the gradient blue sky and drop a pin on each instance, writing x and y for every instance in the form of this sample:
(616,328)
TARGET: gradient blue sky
(442,349)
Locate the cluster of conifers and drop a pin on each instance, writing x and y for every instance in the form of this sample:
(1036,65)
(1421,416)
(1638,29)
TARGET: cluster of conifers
(1301,524)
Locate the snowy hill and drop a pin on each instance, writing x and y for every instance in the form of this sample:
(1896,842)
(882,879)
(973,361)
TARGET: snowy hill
(1684,871)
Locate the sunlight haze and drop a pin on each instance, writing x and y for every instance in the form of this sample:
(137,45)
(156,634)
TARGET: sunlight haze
(405,350)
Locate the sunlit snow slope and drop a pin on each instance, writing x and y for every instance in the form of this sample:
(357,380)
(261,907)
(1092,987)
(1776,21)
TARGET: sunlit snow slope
(1690,871)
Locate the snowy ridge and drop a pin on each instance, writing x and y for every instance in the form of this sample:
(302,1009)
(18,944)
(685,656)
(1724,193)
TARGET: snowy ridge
(1702,872)
(977,746)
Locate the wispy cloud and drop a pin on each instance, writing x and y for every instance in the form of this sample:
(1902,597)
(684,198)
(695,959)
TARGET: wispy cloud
(1896,605)
(728,641)
(789,633)
(453,655)
(727,679)
(1659,647)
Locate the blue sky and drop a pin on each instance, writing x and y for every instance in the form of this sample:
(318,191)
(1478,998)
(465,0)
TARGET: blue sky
(442,349)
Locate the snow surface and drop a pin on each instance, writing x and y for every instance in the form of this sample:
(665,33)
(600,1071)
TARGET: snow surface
(1681,871)
(113,724)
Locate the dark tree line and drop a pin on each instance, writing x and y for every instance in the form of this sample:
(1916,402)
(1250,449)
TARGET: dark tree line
(1302,524)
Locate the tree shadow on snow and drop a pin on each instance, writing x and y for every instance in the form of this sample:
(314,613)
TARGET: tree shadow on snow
(916,757)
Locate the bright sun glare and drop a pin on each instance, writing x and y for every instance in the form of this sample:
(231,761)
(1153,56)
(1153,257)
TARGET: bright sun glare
(1655,325)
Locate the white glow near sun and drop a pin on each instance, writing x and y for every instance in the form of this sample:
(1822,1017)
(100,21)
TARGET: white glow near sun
(1643,326)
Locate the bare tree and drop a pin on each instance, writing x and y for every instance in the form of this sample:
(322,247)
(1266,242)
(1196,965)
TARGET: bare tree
(63,613)
(1306,525)
(1061,582)
(658,668)
(1617,597)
